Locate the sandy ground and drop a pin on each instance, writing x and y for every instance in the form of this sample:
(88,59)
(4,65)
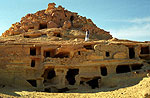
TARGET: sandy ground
(141,90)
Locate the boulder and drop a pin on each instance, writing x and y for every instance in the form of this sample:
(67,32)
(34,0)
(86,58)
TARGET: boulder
(67,25)
(50,7)
(51,24)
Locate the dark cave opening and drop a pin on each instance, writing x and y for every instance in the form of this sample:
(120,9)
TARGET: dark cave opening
(103,70)
(131,53)
(71,75)
(49,53)
(71,18)
(79,53)
(32,82)
(94,83)
(43,26)
(145,50)
(32,51)
(136,66)
(51,74)
(122,69)
(32,63)
(107,54)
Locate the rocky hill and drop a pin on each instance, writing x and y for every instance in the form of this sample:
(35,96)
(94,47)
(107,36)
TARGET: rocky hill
(58,18)
(45,55)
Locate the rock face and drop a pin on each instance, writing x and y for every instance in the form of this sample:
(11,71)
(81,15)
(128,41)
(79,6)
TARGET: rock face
(56,17)
(47,52)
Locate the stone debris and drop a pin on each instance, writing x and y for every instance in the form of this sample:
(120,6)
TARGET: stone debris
(56,17)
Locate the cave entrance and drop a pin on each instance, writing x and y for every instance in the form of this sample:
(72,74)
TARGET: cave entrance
(32,63)
(103,70)
(79,52)
(136,66)
(145,50)
(32,82)
(94,82)
(33,51)
(107,54)
(49,74)
(71,76)
(122,69)
(49,53)
(58,35)
(43,26)
(131,53)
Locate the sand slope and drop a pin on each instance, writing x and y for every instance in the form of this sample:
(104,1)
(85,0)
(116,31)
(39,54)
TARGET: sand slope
(141,90)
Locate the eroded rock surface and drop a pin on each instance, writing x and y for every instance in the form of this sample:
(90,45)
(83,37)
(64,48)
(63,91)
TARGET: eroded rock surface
(56,17)
(46,51)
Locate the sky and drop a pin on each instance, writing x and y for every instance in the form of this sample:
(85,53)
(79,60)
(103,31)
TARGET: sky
(124,19)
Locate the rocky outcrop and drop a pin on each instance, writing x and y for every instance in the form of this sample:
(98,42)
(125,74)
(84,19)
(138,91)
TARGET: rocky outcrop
(56,17)
(67,25)
(51,24)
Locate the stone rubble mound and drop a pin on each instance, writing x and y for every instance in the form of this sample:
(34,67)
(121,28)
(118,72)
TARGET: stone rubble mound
(69,24)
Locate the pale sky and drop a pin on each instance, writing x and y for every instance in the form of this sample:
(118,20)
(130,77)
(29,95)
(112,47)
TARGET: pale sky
(124,19)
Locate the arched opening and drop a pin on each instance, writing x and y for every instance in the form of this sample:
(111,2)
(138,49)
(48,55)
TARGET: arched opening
(48,75)
(107,54)
(122,69)
(103,71)
(51,74)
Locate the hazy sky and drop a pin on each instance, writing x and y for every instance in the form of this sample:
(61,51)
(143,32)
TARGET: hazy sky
(127,19)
